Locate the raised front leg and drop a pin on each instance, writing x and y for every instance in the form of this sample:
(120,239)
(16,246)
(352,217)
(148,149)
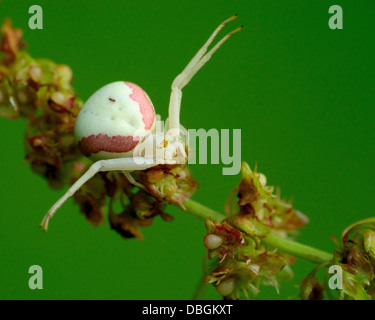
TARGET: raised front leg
(191,69)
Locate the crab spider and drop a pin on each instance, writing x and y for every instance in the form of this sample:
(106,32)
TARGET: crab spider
(120,115)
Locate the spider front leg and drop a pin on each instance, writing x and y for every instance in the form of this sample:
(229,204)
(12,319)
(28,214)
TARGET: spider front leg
(120,164)
(191,69)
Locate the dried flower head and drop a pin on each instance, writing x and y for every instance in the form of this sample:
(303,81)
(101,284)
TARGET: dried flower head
(355,260)
(256,200)
(237,241)
(174,184)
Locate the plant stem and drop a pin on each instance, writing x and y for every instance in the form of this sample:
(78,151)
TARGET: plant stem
(201,211)
(288,246)
(297,249)
(202,287)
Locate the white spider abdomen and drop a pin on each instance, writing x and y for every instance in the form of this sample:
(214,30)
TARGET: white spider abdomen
(114,120)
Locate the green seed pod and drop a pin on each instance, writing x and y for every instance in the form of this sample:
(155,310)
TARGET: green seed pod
(213,241)
(226,287)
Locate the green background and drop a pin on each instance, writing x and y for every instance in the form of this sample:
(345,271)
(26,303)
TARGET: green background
(301,93)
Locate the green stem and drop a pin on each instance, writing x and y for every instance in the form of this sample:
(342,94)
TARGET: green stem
(297,249)
(288,246)
(201,211)
(200,292)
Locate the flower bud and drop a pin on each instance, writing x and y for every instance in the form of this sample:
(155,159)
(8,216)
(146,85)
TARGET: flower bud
(65,73)
(262,179)
(154,176)
(369,243)
(58,98)
(226,287)
(35,73)
(212,241)
(169,189)
(174,184)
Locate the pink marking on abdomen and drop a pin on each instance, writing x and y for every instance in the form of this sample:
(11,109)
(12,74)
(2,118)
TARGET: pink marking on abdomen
(145,105)
(102,142)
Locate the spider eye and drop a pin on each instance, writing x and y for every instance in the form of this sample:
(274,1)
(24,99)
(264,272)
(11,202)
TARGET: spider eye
(106,126)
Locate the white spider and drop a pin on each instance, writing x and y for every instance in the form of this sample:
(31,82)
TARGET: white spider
(118,118)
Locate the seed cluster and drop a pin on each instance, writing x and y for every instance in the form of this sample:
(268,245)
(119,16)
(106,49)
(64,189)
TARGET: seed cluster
(241,262)
(39,90)
(354,259)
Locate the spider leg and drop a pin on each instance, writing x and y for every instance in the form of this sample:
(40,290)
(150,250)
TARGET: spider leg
(120,164)
(131,179)
(191,69)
